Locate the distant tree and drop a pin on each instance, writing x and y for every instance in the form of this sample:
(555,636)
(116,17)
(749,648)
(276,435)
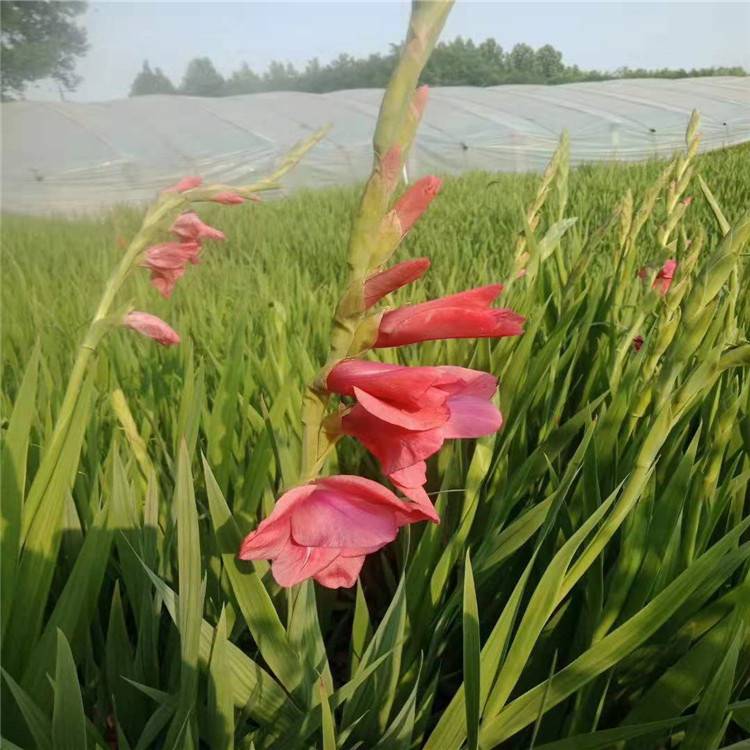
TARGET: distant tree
(243,81)
(521,59)
(40,40)
(458,62)
(151,82)
(202,79)
(280,77)
(548,62)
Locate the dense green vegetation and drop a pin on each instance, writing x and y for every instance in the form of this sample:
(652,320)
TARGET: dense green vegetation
(460,62)
(606,524)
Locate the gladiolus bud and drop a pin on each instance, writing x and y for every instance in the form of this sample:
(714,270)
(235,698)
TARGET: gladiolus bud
(414,202)
(186,183)
(228,198)
(663,279)
(153,327)
(459,316)
(380,284)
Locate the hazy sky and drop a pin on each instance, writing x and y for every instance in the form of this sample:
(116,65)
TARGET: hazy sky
(604,35)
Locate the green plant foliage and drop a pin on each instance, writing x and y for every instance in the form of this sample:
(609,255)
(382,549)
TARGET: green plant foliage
(588,585)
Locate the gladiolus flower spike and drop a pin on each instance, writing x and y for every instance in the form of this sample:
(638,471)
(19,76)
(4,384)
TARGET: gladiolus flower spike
(324,528)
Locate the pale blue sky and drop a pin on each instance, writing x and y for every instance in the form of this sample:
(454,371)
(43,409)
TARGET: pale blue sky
(603,35)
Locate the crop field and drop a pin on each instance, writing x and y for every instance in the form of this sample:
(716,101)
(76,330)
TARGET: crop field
(587,585)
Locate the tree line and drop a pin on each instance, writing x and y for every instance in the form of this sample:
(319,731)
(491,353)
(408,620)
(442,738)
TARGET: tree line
(459,62)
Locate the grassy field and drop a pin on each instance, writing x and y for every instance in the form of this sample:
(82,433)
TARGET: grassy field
(606,524)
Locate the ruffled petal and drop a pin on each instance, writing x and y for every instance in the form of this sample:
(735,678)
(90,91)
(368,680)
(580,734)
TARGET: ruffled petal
(295,564)
(334,520)
(433,413)
(341,573)
(471,417)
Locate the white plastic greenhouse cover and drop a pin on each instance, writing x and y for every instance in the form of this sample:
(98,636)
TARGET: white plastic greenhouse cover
(69,157)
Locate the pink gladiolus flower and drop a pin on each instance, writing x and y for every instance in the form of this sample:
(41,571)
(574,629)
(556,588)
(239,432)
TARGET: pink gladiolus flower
(228,198)
(687,201)
(188,226)
(380,284)
(324,530)
(186,183)
(663,279)
(459,316)
(167,263)
(638,343)
(414,202)
(403,415)
(153,327)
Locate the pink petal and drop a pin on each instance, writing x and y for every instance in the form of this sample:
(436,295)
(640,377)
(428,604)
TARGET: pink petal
(188,226)
(267,540)
(434,413)
(480,297)
(410,476)
(471,417)
(295,564)
(395,447)
(407,386)
(465,382)
(341,573)
(164,281)
(274,532)
(332,519)
(361,489)
(153,327)
(422,508)
(171,254)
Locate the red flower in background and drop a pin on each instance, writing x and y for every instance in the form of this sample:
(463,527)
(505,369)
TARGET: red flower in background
(664,278)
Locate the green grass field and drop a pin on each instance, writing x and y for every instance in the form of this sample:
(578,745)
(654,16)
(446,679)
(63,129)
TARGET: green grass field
(606,524)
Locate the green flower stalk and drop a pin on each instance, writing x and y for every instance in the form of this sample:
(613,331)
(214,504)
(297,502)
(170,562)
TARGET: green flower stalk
(158,218)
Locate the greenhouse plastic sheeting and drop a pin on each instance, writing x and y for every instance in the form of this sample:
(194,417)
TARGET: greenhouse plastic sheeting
(70,157)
